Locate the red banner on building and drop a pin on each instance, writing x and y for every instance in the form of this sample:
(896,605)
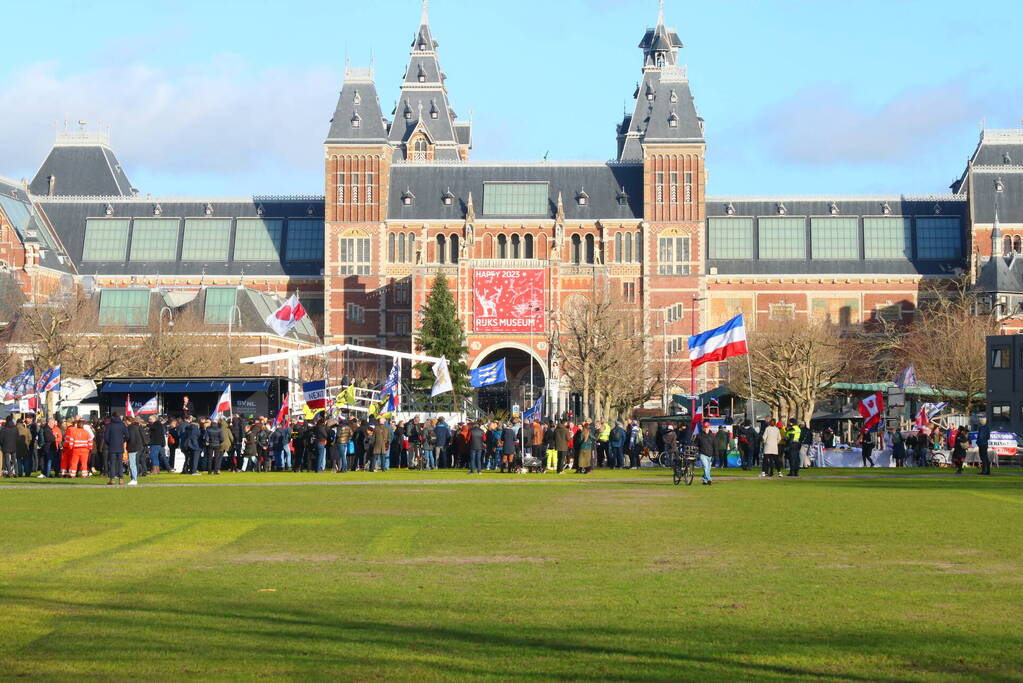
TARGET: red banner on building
(508,300)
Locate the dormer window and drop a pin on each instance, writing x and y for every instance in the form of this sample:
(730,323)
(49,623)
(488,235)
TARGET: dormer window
(886,209)
(357,99)
(422,74)
(1006,159)
(649,93)
(356,120)
(259,210)
(937,209)
(833,209)
(434,112)
(782,210)
(407,197)
(582,199)
(109,210)
(730,209)
(674,96)
(447,198)
(157,210)
(209,209)
(407,112)
(673,120)
(622,197)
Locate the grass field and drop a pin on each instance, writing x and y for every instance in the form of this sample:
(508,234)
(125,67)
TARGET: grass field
(613,577)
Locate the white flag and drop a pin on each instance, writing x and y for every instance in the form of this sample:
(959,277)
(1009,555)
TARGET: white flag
(442,384)
(284,319)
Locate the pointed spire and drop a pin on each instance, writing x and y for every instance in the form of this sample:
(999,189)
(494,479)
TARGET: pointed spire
(470,210)
(660,12)
(426,13)
(996,231)
(559,217)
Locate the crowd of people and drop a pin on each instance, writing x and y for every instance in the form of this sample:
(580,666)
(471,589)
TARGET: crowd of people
(136,447)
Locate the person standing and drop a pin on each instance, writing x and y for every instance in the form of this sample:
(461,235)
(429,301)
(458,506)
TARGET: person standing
(190,446)
(867,447)
(155,438)
(771,440)
(79,446)
(9,446)
(562,442)
(115,439)
(226,440)
(960,439)
(707,444)
(898,448)
(794,446)
(343,439)
(250,451)
(136,445)
(722,446)
(214,438)
(746,438)
(983,439)
(442,440)
(477,444)
(381,446)
(23,448)
(508,447)
(587,439)
(616,447)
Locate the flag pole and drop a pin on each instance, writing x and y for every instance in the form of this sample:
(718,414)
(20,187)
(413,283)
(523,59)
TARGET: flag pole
(749,404)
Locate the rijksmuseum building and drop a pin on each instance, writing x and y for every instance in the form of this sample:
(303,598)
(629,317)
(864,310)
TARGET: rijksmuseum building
(520,242)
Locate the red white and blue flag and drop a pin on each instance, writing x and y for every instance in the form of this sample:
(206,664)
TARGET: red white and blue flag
(129,411)
(284,319)
(223,405)
(872,410)
(315,394)
(282,414)
(928,412)
(720,343)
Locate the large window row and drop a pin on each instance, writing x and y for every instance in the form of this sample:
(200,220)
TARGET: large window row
(937,238)
(208,240)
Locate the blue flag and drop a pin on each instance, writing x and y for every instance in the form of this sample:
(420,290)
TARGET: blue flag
(488,374)
(536,411)
(906,378)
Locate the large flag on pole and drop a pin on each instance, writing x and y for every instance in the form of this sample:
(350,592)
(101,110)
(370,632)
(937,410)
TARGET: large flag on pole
(392,386)
(906,378)
(928,412)
(442,383)
(50,381)
(489,374)
(128,410)
(150,407)
(872,410)
(282,414)
(284,319)
(315,395)
(223,405)
(535,412)
(718,344)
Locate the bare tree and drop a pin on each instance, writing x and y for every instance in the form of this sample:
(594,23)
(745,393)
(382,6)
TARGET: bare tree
(946,342)
(794,366)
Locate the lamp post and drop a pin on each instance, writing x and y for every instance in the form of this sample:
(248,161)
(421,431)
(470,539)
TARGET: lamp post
(692,370)
(230,325)
(170,317)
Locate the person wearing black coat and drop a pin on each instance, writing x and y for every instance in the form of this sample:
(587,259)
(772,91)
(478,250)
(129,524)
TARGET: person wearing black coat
(115,437)
(136,449)
(238,432)
(9,446)
(214,437)
(707,445)
(156,436)
(190,447)
(747,437)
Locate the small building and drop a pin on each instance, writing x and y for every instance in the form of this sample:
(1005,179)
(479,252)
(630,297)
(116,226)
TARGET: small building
(1005,382)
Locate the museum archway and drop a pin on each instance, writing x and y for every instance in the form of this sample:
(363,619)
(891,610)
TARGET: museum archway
(519,389)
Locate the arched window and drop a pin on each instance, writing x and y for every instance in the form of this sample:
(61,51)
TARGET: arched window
(516,247)
(419,150)
(1017,245)
(529,247)
(590,250)
(1006,245)
(442,248)
(502,246)
(411,248)
(639,247)
(619,256)
(390,248)
(401,249)
(628,248)
(454,248)
(577,249)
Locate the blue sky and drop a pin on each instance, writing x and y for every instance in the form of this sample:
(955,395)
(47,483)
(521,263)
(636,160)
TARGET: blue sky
(800,97)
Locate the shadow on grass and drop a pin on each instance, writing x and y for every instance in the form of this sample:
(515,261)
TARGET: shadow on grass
(231,638)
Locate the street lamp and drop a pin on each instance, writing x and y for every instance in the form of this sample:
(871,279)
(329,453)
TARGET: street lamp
(230,324)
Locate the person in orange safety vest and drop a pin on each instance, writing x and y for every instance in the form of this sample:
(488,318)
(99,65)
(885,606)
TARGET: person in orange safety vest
(78,442)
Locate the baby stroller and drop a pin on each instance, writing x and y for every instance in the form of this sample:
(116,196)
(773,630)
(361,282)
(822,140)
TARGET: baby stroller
(532,464)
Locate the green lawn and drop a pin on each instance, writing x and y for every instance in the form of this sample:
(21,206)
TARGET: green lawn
(900,578)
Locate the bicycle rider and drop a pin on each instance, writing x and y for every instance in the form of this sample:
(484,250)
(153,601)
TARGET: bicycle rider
(707,445)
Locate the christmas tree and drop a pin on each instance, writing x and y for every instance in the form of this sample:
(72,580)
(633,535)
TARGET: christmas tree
(442,335)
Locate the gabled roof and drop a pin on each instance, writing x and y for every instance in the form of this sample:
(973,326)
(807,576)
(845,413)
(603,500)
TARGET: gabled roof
(81,164)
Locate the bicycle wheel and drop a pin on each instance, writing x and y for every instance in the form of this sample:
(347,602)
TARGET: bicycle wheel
(687,472)
(679,471)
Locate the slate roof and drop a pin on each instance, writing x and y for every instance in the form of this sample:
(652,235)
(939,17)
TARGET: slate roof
(1010,200)
(30,224)
(358,99)
(1001,274)
(81,170)
(899,205)
(69,218)
(418,98)
(665,110)
(601,182)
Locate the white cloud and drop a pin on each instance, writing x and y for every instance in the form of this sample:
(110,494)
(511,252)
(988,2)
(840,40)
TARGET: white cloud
(823,125)
(222,117)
